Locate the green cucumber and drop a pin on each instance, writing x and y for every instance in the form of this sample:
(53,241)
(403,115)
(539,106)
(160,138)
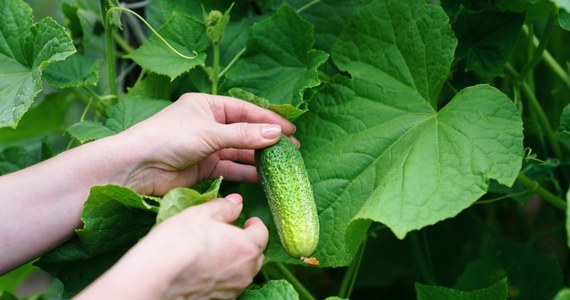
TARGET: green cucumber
(286,184)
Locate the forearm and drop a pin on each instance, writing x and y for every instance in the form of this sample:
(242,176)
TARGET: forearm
(41,205)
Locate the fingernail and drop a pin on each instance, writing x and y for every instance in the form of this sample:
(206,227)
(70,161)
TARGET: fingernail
(271,131)
(235,198)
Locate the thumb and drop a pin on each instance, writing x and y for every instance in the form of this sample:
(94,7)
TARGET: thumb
(246,135)
(225,209)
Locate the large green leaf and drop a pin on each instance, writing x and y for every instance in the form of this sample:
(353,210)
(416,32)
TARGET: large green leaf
(186,34)
(375,148)
(114,219)
(497,291)
(279,63)
(26,49)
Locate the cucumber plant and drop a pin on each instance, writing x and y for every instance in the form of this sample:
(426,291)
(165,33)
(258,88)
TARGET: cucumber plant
(434,133)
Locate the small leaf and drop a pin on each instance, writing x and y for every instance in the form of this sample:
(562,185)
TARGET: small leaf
(272,290)
(186,35)
(152,86)
(287,111)
(178,199)
(279,64)
(497,291)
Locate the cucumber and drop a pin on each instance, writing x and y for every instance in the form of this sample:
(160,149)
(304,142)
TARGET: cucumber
(288,190)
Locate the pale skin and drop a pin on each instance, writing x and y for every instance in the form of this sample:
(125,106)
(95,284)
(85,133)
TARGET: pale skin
(199,136)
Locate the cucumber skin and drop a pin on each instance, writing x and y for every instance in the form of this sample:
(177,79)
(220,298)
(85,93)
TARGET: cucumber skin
(282,173)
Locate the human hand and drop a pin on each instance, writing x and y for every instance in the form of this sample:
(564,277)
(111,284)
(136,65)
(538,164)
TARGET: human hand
(201,136)
(196,254)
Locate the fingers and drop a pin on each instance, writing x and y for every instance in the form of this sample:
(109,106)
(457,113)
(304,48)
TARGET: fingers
(233,171)
(244,135)
(226,209)
(245,156)
(230,110)
(257,232)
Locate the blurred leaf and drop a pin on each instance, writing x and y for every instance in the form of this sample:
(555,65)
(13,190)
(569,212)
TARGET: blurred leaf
(563,294)
(152,86)
(497,291)
(46,117)
(487,39)
(272,290)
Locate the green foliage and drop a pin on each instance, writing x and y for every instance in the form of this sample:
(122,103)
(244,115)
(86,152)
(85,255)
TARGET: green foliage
(497,291)
(412,132)
(26,49)
(274,290)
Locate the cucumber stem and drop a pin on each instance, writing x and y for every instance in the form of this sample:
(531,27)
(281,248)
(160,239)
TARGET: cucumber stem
(349,278)
(299,287)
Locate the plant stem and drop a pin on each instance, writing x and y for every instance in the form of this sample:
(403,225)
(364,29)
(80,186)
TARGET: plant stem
(299,287)
(300,10)
(551,63)
(215,68)
(545,38)
(542,118)
(536,108)
(121,42)
(349,278)
(232,62)
(110,56)
(422,258)
(535,187)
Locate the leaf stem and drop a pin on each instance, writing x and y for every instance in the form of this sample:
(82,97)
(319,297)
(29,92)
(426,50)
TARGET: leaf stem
(300,10)
(121,42)
(541,115)
(535,187)
(545,38)
(215,68)
(299,287)
(349,278)
(543,119)
(422,258)
(109,52)
(232,62)
(551,63)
